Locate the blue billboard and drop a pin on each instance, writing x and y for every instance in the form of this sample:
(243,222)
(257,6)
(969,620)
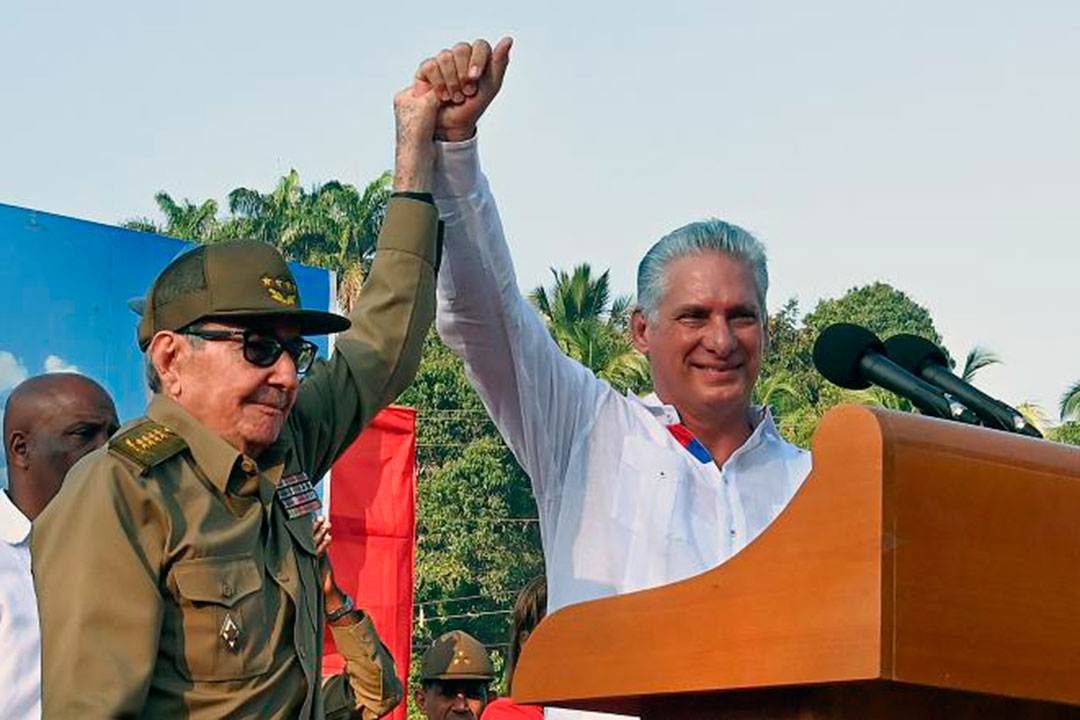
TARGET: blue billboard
(64,291)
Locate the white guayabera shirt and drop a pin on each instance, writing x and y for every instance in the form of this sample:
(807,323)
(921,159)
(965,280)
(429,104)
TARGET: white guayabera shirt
(20,636)
(623,505)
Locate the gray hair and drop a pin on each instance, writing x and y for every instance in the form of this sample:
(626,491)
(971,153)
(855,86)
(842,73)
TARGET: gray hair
(153,380)
(709,235)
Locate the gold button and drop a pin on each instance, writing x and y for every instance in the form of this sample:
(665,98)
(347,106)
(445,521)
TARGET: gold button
(249,466)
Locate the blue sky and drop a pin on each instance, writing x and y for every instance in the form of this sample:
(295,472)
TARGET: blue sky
(64,288)
(931,145)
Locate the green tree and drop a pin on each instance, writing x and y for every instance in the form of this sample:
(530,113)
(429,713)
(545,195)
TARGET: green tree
(477,536)
(332,225)
(1069,409)
(591,327)
(797,394)
(184,220)
(879,307)
(1068,433)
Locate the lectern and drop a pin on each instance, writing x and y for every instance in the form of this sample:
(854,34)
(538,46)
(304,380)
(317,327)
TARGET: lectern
(925,569)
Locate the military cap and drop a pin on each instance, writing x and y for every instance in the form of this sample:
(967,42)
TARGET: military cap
(456,656)
(243,280)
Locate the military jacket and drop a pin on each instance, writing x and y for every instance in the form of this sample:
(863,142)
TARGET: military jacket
(171,580)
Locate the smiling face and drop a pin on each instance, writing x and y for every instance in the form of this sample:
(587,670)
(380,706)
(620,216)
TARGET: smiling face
(245,404)
(706,341)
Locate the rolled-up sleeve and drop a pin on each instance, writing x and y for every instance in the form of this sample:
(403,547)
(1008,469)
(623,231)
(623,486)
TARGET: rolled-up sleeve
(369,688)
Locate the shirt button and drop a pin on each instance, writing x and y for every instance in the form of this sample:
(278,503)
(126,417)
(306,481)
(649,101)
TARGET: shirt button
(303,653)
(732,533)
(226,590)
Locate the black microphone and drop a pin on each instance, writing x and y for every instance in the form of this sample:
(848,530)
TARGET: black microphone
(853,357)
(921,357)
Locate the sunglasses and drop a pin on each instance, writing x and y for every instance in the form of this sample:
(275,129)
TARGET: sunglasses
(263,350)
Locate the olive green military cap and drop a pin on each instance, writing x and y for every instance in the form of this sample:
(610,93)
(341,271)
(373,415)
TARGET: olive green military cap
(235,280)
(456,656)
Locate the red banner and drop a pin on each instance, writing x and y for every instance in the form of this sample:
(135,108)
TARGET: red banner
(373,519)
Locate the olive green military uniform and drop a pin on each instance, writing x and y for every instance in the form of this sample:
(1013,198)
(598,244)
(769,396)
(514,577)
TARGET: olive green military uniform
(369,688)
(171,581)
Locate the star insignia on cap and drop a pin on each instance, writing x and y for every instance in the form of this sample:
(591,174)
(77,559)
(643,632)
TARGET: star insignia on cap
(281,289)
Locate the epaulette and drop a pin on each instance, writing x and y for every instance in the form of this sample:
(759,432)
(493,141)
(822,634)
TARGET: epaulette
(147,444)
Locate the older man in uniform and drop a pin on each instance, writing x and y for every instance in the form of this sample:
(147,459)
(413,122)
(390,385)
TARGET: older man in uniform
(178,575)
(455,677)
(50,421)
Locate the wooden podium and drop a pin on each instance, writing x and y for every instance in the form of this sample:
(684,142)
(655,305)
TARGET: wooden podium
(925,569)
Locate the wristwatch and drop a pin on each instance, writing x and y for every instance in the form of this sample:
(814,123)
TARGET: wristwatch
(346,607)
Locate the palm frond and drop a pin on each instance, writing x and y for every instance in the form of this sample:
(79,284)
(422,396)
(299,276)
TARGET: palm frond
(978,358)
(1069,408)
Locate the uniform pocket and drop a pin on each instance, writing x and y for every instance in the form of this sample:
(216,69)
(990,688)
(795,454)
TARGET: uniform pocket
(222,616)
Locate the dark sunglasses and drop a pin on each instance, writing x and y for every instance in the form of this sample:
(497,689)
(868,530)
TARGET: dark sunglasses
(263,350)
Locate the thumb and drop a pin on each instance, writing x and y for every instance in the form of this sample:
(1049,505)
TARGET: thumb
(420,87)
(500,58)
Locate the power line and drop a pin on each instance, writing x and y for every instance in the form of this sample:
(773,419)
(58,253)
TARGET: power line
(489,521)
(453,599)
(458,616)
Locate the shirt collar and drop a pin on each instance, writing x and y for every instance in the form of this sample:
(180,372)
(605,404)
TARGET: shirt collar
(760,417)
(214,456)
(14,526)
(211,453)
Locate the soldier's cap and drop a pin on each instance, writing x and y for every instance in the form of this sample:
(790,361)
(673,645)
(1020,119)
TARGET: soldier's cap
(244,281)
(456,655)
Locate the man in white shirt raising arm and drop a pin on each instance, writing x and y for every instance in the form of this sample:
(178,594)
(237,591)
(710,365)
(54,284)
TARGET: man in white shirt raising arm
(632,492)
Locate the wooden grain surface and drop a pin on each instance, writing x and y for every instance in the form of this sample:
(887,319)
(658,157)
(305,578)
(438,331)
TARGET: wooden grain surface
(916,550)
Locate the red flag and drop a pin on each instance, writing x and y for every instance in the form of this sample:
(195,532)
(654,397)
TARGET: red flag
(373,515)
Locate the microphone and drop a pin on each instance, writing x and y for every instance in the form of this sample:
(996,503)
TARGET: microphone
(923,358)
(853,357)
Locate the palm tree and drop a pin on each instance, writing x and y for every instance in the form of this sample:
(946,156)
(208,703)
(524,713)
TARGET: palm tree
(1035,415)
(774,387)
(1070,403)
(184,220)
(276,218)
(977,359)
(332,225)
(591,327)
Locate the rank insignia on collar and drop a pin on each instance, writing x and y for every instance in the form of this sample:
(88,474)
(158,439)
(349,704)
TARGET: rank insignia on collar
(230,633)
(297,495)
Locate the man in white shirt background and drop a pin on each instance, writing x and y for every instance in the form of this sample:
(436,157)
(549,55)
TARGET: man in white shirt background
(632,492)
(50,421)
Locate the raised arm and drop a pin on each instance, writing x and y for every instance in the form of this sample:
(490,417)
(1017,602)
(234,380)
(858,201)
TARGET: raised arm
(538,397)
(379,355)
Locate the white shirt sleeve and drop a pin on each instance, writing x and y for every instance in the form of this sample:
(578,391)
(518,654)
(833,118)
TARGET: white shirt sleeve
(540,399)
